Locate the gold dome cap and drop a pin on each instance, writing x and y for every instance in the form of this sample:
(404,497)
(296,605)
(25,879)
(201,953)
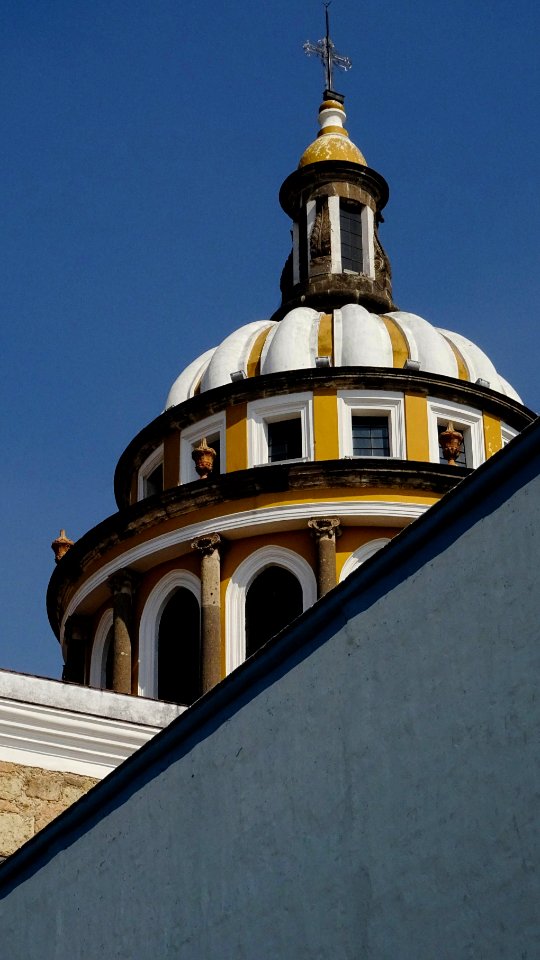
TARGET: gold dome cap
(332,142)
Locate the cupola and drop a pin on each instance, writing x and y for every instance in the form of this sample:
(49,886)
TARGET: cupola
(335,201)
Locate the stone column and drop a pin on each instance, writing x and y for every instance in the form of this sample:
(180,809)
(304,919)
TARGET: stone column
(208,548)
(325,530)
(76,638)
(122,586)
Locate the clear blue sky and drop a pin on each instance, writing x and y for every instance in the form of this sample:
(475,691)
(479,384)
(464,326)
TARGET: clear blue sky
(143,148)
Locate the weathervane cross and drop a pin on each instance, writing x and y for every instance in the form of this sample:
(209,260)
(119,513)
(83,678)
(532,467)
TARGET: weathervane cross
(326,51)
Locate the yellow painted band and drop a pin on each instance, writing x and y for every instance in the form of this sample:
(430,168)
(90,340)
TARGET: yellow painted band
(325,341)
(463,371)
(400,347)
(254,361)
(331,105)
(492,434)
(340,131)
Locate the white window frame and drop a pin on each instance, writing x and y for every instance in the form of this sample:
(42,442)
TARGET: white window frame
(149,625)
(376,403)
(239,584)
(272,410)
(507,433)
(466,418)
(148,467)
(362,554)
(189,439)
(98,657)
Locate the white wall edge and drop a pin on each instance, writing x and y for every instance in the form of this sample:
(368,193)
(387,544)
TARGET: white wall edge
(55,739)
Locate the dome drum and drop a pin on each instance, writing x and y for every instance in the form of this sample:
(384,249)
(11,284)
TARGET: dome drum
(230,404)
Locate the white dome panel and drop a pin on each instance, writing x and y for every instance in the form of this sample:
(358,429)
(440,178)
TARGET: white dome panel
(231,355)
(361,338)
(509,390)
(294,344)
(426,344)
(184,386)
(479,365)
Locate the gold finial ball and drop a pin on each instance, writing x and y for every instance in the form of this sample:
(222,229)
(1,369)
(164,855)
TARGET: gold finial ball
(61,545)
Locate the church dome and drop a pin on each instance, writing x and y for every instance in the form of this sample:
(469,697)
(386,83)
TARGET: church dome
(348,337)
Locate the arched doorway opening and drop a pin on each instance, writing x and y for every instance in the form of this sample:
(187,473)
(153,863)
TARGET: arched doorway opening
(179,649)
(274,599)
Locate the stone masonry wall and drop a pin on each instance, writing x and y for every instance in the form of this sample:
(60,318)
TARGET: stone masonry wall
(30,798)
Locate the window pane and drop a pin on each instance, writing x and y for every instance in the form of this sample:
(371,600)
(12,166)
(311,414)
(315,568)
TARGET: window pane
(350,220)
(370,437)
(284,440)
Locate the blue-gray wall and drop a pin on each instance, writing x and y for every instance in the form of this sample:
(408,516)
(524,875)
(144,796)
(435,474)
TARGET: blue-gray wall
(374,796)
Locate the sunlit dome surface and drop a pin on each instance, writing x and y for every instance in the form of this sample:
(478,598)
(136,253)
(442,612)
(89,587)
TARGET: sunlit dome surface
(355,338)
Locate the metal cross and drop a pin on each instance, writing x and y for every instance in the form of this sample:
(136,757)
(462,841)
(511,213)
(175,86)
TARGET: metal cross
(326,51)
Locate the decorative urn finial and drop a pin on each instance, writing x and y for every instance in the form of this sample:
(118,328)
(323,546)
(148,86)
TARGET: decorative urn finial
(451,441)
(60,546)
(204,457)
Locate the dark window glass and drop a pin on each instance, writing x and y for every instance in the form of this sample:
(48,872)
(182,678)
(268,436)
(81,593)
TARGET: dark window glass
(179,649)
(461,459)
(285,440)
(370,437)
(273,600)
(350,221)
(154,481)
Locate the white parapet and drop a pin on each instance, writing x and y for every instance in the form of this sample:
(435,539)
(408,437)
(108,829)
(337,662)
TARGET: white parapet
(62,726)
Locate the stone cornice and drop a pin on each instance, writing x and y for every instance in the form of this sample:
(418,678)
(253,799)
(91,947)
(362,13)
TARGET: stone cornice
(327,171)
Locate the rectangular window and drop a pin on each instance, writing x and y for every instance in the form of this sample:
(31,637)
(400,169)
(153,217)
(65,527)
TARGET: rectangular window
(350,223)
(371,424)
(280,429)
(461,459)
(150,479)
(284,439)
(370,437)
